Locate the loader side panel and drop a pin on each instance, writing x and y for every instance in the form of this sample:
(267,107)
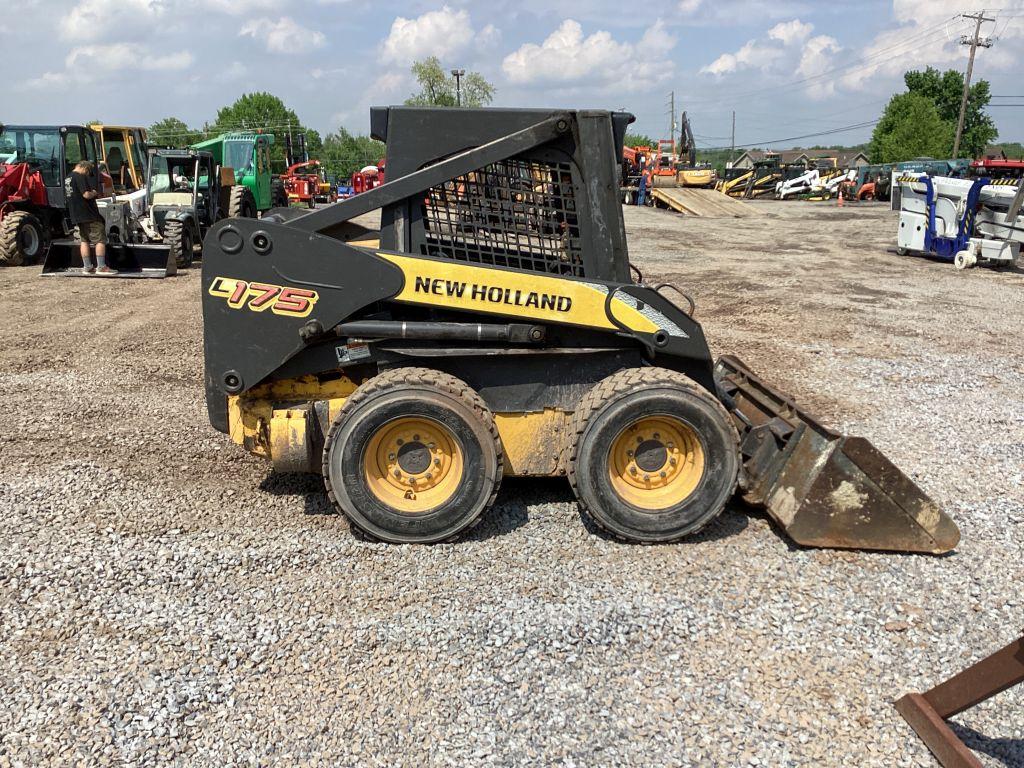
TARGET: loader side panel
(262,282)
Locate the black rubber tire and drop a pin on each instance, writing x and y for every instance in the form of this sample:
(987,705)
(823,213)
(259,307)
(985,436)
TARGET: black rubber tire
(400,393)
(609,408)
(23,239)
(179,239)
(241,204)
(278,194)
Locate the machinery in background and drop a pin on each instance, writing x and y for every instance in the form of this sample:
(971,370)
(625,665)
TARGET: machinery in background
(672,169)
(328,192)
(304,180)
(495,329)
(873,182)
(965,221)
(635,160)
(1002,171)
(302,183)
(247,153)
(815,184)
(123,149)
(688,172)
(367,178)
(758,181)
(35,161)
(185,193)
(954,169)
(306,183)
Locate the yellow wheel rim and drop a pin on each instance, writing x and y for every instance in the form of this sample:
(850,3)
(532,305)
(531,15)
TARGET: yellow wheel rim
(413,464)
(656,462)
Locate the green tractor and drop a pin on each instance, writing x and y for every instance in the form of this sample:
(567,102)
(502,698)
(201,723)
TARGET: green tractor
(248,154)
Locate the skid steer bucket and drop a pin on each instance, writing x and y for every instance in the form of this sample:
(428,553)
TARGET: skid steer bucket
(825,489)
(130,260)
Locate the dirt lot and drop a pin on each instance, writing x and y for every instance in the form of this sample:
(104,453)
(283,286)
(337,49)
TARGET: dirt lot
(165,599)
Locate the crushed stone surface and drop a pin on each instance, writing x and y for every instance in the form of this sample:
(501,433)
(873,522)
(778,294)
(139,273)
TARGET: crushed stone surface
(166,600)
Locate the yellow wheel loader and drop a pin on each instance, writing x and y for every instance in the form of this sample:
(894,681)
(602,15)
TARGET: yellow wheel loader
(496,329)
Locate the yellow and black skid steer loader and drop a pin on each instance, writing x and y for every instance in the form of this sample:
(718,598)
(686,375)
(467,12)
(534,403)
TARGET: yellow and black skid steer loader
(495,330)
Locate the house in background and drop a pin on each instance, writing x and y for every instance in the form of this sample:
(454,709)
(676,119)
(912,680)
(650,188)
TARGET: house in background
(844,158)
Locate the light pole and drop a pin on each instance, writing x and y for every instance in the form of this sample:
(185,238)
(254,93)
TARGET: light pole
(458,73)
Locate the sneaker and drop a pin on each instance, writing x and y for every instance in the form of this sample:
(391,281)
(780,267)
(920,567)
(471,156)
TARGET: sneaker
(106,271)
(89,270)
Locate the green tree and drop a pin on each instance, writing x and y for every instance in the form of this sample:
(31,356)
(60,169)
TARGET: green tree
(946,90)
(343,153)
(266,112)
(910,127)
(171,132)
(639,140)
(438,89)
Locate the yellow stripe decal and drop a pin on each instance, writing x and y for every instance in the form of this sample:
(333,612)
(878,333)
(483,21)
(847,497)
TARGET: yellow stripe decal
(517,294)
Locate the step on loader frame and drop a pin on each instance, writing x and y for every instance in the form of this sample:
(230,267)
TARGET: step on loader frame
(502,261)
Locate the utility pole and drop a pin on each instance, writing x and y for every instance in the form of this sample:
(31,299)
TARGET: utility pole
(732,145)
(672,119)
(974,41)
(458,73)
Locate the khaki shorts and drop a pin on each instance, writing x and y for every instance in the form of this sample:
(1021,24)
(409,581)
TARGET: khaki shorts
(92,232)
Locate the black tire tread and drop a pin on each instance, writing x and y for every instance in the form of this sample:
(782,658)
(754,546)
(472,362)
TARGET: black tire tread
(9,254)
(278,193)
(174,233)
(236,201)
(616,385)
(417,376)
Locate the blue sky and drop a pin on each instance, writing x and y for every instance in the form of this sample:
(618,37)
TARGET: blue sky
(788,67)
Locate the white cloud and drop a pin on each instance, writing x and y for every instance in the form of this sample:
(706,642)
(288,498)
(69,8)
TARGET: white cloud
(763,55)
(930,36)
(751,55)
(788,48)
(285,35)
(89,63)
(94,19)
(568,56)
(819,56)
(436,33)
(238,7)
(106,58)
(236,70)
(739,13)
(488,38)
(789,32)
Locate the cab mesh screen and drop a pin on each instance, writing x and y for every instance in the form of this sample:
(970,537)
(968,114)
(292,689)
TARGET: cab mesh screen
(513,213)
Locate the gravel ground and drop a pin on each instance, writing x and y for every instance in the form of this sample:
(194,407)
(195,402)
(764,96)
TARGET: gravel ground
(164,599)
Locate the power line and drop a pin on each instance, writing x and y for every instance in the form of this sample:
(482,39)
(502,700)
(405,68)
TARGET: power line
(842,129)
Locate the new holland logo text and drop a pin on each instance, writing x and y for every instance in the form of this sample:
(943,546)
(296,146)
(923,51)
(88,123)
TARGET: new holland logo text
(259,297)
(492,294)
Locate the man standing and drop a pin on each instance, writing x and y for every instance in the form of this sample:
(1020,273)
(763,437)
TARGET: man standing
(645,180)
(85,214)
